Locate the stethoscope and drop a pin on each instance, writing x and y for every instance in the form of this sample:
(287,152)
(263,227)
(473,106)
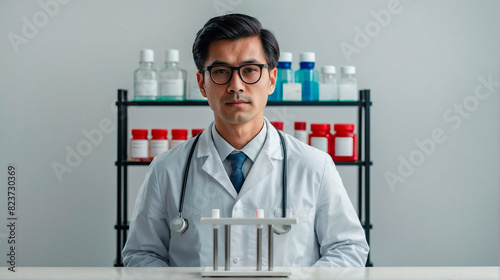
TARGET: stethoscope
(180,224)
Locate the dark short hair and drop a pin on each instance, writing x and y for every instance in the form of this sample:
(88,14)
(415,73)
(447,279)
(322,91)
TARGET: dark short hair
(234,27)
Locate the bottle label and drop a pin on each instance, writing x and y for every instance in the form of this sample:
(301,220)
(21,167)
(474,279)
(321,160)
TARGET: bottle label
(292,92)
(320,143)
(139,148)
(348,92)
(193,91)
(174,87)
(175,143)
(344,147)
(328,92)
(302,136)
(158,147)
(146,88)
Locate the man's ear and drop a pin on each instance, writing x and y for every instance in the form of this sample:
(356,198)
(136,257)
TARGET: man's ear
(201,83)
(272,79)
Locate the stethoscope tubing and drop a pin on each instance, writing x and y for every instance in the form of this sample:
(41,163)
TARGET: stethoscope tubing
(188,164)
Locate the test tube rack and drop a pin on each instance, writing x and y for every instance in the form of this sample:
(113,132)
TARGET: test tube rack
(259,223)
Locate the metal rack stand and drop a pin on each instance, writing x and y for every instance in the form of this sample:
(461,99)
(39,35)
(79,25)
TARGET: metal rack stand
(258,223)
(364,163)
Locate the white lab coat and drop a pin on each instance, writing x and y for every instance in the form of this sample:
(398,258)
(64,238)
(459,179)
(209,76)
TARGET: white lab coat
(328,233)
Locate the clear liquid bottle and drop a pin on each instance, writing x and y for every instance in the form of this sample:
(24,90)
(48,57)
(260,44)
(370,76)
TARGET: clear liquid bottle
(145,77)
(285,75)
(348,86)
(172,78)
(308,77)
(328,90)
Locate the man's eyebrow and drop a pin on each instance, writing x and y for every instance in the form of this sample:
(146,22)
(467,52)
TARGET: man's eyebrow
(219,62)
(223,63)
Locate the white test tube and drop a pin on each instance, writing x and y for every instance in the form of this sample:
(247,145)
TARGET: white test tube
(216,215)
(259,213)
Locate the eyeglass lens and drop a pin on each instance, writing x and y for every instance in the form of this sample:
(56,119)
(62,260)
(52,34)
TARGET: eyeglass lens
(250,74)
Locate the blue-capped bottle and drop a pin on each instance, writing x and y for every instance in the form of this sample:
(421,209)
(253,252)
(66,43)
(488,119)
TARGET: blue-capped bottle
(285,75)
(308,77)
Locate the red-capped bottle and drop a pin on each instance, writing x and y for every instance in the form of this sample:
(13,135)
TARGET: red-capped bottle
(278,125)
(196,131)
(344,143)
(320,137)
(300,132)
(139,145)
(158,143)
(179,136)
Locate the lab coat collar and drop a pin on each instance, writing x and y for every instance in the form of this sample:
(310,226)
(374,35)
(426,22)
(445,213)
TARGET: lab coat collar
(273,142)
(264,165)
(267,161)
(213,165)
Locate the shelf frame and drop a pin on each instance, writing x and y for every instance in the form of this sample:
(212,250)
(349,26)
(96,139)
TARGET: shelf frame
(364,163)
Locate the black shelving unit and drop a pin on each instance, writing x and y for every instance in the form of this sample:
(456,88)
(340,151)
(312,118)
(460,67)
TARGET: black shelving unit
(122,163)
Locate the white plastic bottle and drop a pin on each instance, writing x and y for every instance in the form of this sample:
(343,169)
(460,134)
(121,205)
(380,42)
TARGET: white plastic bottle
(300,132)
(158,143)
(172,78)
(179,136)
(348,86)
(328,90)
(145,77)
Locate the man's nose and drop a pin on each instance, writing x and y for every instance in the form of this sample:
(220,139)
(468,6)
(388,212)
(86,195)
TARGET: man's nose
(236,84)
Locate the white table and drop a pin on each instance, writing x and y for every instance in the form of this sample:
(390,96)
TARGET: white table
(179,273)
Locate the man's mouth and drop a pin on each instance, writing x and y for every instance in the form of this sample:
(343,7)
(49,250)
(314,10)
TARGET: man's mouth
(237,102)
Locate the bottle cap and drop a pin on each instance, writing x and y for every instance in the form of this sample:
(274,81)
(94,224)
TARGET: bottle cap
(196,131)
(278,125)
(147,55)
(140,133)
(285,57)
(328,69)
(348,70)
(300,125)
(172,55)
(159,133)
(343,127)
(179,133)
(320,127)
(307,57)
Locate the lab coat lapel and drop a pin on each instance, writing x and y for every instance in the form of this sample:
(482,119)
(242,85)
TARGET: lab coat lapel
(213,165)
(266,161)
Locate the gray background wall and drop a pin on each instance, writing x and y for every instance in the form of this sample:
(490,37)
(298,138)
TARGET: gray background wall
(434,202)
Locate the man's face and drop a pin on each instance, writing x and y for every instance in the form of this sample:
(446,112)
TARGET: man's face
(237,102)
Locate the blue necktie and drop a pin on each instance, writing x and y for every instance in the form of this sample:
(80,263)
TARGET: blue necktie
(236,176)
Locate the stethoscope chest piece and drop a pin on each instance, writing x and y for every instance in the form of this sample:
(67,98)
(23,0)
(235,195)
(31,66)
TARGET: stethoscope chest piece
(179,225)
(281,229)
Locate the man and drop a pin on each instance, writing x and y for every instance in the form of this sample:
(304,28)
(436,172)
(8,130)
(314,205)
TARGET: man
(237,60)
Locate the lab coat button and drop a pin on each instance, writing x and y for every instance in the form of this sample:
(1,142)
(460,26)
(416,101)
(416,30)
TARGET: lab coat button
(236,260)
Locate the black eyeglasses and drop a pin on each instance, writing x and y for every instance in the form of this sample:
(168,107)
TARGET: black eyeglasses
(249,73)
